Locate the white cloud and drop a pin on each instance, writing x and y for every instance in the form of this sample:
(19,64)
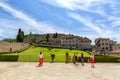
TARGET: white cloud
(10,27)
(40,26)
(99,30)
(103,27)
(99,27)
(1,33)
(93,6)
(115,21)
(86,22)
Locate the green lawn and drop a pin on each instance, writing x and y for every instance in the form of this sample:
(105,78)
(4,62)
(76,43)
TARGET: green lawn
(32,54)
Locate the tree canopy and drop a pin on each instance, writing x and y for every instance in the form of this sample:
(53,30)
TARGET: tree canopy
(20,35)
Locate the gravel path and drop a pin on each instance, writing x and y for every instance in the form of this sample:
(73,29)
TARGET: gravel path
(58,71)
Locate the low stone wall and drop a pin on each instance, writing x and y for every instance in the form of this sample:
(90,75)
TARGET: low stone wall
(12,46)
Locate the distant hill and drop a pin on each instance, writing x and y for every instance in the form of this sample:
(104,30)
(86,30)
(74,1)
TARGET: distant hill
(55,39)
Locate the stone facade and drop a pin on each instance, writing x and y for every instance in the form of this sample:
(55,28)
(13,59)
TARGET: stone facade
(114,53)
(116,47)
(104,45)
(76,42)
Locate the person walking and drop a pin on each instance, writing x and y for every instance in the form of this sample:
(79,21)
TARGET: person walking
(40,59)
(75,59)
(82,59)
(92,60)
(52,57)
(67,57)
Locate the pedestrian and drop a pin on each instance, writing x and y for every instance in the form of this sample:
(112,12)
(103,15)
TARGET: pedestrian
(75,59)
(41,59)
(82,59)
(67,57)
(92,60)
(52,57)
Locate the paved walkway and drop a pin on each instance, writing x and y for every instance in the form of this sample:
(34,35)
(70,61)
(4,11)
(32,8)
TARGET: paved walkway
(58,71)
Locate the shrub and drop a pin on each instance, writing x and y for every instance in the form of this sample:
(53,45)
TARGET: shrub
(106,59)
(8,57)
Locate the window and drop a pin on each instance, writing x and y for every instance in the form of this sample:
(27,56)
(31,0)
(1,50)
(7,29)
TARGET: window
(106,44)
(106,48)
(103,48)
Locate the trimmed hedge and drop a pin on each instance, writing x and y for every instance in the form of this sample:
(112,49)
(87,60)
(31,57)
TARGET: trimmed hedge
(8,57)
(30,58)
(100,58)
(105,58)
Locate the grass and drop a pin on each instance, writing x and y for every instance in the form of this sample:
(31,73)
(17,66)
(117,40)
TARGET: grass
(32,53)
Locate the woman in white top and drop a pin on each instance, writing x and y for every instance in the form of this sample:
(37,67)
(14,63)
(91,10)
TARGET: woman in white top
(41,59)
(92,60)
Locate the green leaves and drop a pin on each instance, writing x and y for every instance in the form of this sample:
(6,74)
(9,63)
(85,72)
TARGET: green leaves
(20,35)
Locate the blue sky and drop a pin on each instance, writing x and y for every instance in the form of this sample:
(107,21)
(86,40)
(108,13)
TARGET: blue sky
(87,18)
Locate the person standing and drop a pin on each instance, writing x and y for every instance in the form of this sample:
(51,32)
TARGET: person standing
(92,60)
(67,57)
(52,57)
(40,59)
(75,59)
(82,59)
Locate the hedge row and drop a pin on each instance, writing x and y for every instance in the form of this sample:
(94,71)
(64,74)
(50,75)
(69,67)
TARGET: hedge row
(105,58)
(31,58)
(102,59)
(8,57)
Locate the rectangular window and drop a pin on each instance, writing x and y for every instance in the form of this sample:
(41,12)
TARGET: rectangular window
(106,44)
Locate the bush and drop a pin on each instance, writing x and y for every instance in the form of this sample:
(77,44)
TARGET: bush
(102,58)
(106,59)
(8,57)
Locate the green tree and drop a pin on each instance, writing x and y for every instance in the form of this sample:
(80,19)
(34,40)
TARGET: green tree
(20,35)
(55,35)
(47,37)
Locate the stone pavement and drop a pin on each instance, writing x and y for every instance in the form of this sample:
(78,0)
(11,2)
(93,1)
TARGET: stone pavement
(58,71)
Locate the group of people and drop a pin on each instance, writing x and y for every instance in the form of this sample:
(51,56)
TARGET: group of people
(75,59)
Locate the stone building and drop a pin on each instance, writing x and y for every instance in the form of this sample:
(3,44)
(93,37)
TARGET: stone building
(116,47)
(85,43)
(104,45)
(116,50)
(76,42)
